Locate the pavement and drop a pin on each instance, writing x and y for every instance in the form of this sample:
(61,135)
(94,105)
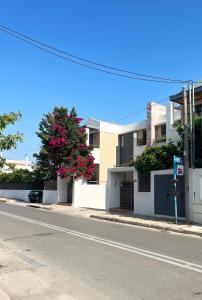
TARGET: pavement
(117,216)
(50,255)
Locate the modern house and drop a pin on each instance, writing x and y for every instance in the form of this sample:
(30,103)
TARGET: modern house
(116,145)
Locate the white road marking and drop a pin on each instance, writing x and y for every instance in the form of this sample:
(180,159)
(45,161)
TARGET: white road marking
(150,254)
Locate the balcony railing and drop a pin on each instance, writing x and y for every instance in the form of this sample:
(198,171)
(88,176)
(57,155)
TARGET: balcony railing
(161,139)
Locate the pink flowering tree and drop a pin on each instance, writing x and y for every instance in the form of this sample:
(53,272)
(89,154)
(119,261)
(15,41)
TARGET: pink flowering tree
(64,151)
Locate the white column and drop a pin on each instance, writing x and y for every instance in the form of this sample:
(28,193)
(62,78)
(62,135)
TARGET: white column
(87,132)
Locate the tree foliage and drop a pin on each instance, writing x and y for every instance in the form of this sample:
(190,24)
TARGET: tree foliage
(64,151)
(8,141)
(18,175)
(161,157)
(156,158)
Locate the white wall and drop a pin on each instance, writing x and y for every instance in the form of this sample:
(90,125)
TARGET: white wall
(89,195)
(137,150)
(96,155)
(113,190)
(144,201)
(115,176)
(195,195)
(15,194)
(50,197)
(172,115)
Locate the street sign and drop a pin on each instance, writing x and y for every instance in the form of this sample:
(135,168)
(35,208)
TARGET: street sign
(178,166)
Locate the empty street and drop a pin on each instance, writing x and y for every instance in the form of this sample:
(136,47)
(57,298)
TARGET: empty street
(46,255)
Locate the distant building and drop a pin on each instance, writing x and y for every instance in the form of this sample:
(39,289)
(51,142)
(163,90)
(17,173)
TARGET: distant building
(19,164)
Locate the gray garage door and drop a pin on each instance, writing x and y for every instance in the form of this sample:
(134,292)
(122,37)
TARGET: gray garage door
(163,195)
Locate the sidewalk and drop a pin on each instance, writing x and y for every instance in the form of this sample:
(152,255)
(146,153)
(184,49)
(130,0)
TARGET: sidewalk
(116,215)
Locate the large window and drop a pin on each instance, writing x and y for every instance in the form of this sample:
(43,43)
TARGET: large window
(144,183)
(94,138)
(160,133)
(126,148)
(95,176)
(141,137)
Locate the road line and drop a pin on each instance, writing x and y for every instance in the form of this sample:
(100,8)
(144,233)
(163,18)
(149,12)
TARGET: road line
(150,254)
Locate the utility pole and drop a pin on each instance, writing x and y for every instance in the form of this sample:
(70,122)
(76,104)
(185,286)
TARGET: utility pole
(186,154)
(193,127)
(191,124)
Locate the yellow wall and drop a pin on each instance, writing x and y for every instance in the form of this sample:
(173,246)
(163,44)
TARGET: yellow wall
(108,143)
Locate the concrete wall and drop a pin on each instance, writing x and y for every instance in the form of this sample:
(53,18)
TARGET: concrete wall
(96,155)
(108,144)
(113,190)
(172,115)
(136,149)
(89,195)
(115,176)
(15,194)
(144,201)
(195,195)
(50,197)
(156,114)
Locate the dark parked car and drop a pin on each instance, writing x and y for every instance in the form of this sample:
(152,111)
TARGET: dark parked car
(35,196)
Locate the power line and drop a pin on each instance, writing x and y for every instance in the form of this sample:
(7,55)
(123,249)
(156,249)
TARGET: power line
(23,151)
(126,117)
(51,50)
(90,61)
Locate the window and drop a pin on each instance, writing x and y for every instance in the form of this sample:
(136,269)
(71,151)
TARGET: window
(141,137)
(160,133)
(144,183)
(94,138)
(163,130)
(126,147)
(95,176)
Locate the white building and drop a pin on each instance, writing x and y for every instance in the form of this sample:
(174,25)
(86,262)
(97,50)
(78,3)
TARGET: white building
(18,164)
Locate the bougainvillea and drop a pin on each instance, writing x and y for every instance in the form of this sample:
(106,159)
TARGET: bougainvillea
(64,151)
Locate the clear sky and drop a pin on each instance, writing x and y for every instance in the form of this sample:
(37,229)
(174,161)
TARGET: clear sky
(155,37)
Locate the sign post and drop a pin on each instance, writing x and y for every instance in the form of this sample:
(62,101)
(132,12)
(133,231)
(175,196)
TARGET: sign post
(178,166)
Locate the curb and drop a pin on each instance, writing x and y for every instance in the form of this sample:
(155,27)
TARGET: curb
(38,206)
(158,227)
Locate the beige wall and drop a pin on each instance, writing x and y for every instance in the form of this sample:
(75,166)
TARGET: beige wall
(108,143)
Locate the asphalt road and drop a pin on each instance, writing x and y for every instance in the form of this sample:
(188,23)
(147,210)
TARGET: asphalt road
(46,255)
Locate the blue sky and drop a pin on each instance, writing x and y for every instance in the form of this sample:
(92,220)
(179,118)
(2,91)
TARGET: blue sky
(154,37)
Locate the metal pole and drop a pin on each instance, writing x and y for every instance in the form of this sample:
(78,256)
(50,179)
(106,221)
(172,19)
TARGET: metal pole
(193,127)
(175,188)
(191,124)
(186,155)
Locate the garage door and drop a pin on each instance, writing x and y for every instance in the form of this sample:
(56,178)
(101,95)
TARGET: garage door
(163,195)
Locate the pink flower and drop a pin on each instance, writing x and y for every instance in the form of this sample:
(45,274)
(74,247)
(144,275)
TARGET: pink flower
(62,171)
(53,142)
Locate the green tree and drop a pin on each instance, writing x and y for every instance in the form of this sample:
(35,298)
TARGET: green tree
(156,158)
(8,141)
(64,151)
(17,175)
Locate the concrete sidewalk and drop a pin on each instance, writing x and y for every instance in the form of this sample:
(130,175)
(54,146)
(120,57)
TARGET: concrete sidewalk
(118,216)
